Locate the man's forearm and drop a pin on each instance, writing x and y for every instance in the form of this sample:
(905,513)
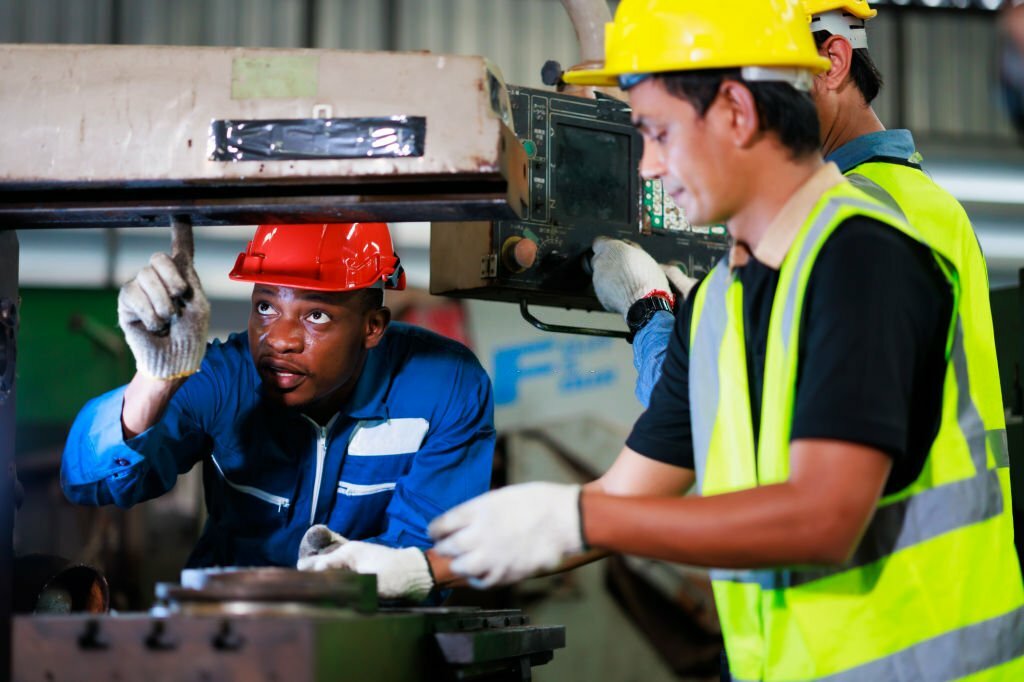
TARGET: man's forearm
(752,528)
(440,568)
(816,517)
(145,400)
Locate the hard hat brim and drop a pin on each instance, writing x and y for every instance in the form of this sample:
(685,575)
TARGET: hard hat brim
(861,10)
(610,77)
(858,12)
(602,77)
(300,282)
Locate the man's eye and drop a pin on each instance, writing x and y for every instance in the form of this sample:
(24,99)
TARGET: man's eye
(318,317)
(264,308)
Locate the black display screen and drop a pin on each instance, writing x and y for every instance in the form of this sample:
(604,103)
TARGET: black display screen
(592,178)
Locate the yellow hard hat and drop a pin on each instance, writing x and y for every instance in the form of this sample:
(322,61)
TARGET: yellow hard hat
(858,8)
(654,36)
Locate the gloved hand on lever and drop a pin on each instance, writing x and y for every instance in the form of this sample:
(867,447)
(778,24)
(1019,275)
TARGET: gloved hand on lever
(624,273)
(164,312)
(401,573)
(681,283)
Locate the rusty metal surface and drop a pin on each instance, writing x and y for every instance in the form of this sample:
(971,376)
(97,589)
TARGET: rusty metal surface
(117,135)
(94,114)
(334,646)
(246,589)
(321,644)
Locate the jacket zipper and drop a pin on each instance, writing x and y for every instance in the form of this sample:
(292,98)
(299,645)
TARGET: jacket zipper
(279,502)
(357,489)
(321,455)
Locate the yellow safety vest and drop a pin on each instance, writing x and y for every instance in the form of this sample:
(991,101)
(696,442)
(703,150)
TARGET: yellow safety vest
(933,591)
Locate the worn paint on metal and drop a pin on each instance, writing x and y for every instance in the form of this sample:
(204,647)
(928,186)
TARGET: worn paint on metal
(274,77)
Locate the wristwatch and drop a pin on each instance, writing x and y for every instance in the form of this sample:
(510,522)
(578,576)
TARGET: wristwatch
(642,310)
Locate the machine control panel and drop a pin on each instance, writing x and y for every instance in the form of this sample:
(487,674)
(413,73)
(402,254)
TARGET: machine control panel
(583,179)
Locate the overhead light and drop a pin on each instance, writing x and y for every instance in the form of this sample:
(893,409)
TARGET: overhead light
(981,187)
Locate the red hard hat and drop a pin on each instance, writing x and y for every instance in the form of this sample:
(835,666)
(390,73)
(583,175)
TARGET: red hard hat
(332,257)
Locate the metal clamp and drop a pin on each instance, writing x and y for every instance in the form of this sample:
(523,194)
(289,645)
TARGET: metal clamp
(524,310)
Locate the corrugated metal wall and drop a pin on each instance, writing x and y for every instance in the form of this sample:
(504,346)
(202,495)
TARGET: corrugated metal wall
(941,75)
(518,35)
(945,59)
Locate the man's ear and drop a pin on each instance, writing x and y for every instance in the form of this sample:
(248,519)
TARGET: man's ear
(376,322)
(741,109)
(838,51)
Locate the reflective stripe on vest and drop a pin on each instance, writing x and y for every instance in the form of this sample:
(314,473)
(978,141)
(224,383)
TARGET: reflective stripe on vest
(953,523)
(956,654)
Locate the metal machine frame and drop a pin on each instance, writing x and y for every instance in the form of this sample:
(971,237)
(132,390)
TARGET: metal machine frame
(133,135)
(161,136)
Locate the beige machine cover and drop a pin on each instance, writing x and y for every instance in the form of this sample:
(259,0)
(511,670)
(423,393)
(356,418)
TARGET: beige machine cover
(81,118)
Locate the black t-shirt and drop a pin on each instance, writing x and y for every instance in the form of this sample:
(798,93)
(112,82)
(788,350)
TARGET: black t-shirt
(872,352)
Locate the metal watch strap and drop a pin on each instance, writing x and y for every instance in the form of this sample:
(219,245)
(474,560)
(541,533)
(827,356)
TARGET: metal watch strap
(641,312)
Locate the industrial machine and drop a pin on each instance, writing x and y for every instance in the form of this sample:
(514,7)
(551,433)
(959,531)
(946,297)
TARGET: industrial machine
(131,135)
(140,136)
(583,183)
(279,624)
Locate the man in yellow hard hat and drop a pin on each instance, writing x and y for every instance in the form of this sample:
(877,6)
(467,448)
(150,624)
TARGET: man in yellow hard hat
(827,381)
(852,136)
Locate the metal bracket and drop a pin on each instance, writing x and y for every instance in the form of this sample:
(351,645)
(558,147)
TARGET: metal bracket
(8,351)
(566,329)
(489,266)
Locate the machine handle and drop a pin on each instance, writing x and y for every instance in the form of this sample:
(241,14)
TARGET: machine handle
(524,310)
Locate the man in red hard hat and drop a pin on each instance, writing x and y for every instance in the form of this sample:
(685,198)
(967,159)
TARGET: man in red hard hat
(322,431)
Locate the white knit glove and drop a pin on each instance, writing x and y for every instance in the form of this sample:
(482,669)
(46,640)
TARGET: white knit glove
(164,312)
(623,274)
(681,283)
(512,533)
(319,539)
(401,573)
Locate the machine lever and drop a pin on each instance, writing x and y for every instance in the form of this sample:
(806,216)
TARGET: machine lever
(524,310)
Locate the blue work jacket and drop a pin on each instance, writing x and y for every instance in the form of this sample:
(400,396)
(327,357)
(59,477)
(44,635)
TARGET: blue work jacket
(416,439)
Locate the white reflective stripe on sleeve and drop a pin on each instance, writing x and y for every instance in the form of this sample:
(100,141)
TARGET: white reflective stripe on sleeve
(355,489)
(392,437)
